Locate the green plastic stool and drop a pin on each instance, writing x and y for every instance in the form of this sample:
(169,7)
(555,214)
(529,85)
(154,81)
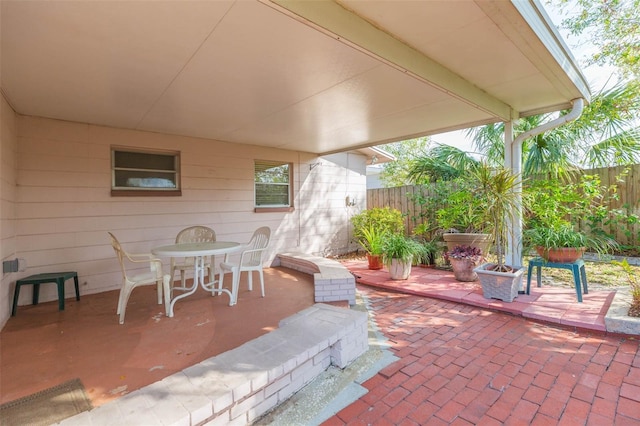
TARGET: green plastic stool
(577,268)
(53,277)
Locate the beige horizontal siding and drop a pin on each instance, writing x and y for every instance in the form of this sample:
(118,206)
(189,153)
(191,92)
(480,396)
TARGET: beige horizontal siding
(64,209)
(8,202)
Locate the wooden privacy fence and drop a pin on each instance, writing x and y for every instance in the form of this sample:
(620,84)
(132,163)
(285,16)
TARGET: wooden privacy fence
(400,198)
(626,232)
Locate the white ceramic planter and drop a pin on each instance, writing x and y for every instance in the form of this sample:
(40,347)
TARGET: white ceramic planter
(399,270)
(499,285)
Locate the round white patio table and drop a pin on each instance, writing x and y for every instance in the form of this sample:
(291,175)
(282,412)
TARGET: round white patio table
(198,251)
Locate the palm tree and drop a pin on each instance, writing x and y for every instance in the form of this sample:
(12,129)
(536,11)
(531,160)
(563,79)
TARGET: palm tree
(442,162)
(545,153)
(606,134)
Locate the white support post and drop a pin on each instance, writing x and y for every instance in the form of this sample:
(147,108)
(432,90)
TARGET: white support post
(513,161)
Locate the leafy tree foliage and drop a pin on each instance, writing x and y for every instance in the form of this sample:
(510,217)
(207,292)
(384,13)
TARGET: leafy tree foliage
(612,27)
(607,132)
(396,173)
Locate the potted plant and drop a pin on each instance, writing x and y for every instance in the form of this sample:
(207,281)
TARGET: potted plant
(428,253)
(497,186)
(462,220)
(371,240)
(370,227)
(397,253)
(464,260)
(561,243)
(429,247)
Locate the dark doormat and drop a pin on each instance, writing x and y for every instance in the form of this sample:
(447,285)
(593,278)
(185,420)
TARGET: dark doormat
(46,407)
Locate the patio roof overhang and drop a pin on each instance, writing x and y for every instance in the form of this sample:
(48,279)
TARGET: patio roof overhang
(314,76)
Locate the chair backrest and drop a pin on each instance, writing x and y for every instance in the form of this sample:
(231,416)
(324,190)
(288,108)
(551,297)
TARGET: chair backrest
(123,258)
(193,234)
(259,242)
(120,254)
(196,234)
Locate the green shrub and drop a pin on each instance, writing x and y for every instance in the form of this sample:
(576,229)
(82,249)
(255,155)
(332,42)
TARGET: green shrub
(383,219)
(585,203)
(634,283)
(430,198)
(464,210)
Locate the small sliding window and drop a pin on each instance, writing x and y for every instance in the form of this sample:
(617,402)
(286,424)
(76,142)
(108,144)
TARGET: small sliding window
(143,172)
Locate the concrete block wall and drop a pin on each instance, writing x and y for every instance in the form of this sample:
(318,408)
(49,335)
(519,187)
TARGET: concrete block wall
(239,386)
(332,281)
(336,288)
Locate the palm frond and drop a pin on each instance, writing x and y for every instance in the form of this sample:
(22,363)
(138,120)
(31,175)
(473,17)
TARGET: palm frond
(620,149)
(443,162)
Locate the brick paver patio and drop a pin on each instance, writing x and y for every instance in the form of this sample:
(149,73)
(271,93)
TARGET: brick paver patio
(465,365)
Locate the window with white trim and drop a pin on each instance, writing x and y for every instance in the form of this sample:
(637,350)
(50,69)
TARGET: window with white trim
(144,172)
(272,181)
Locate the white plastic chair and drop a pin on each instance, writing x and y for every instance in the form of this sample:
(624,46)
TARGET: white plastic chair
(193,234)
(250,260)
(129,282)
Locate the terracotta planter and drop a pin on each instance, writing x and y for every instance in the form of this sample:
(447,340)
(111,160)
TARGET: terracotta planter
(463,269)
(399,270)
(561,254)
(375,261)
(480,241)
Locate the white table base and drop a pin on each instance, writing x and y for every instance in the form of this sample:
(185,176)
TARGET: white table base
(198,279)
(199,251)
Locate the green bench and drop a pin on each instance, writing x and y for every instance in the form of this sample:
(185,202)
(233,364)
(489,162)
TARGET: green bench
(51,277)
(576,268)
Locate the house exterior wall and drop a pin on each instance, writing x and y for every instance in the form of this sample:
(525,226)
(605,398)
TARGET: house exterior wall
(65,208)
(373,177)
(8,199)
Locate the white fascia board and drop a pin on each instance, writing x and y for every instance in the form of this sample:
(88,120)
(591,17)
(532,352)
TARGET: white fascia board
(349,28)
(535,15)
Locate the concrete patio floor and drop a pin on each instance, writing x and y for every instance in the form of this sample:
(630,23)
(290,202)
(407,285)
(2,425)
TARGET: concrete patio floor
(42,347)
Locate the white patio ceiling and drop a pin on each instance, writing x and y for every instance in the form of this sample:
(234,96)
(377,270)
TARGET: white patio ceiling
(316,76)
